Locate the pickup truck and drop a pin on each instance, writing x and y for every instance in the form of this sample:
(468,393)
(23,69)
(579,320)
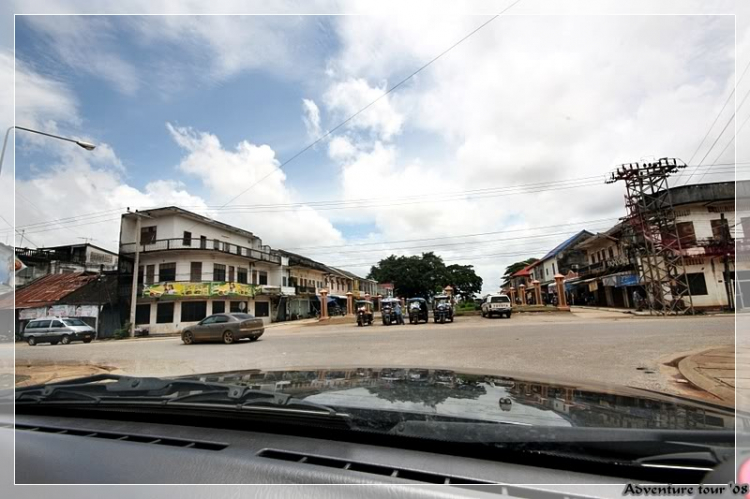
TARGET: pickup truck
(497,304)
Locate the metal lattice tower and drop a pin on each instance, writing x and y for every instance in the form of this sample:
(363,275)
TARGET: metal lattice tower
(655,241)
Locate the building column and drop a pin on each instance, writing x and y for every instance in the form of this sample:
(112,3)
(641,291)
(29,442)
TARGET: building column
(537,291)
(323,304)
(349,303)
(561,301)
(522,288)
(512,295)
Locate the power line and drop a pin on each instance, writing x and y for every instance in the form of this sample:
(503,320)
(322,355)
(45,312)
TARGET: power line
(388,91)
(736,132)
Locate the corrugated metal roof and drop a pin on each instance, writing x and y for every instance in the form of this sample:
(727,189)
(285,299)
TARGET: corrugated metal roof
(50,289)
(557,249)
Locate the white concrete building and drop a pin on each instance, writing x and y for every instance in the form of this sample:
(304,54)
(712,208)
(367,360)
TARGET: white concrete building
(191,266)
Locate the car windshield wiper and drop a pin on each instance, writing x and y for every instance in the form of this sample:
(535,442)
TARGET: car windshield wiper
(167,392)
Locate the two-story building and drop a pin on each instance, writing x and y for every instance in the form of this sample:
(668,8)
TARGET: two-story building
(705,223)
(562,259)
(190,266)
(85,257)
(308,277)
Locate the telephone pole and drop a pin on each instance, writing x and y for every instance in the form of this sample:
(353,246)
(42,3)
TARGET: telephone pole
(652,227)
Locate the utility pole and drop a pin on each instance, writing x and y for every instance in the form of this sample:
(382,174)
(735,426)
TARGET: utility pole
(725,242)
(652,225)
(134,289)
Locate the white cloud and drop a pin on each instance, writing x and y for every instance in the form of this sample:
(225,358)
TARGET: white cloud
(311,118)
(226,173)
(344,98)
(88,44)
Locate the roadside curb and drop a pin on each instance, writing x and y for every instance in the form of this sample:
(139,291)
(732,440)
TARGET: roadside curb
(711,370)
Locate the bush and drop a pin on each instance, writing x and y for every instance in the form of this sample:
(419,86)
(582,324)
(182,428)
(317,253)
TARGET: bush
(123,332)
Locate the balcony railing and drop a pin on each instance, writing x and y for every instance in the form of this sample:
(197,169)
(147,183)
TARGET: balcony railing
(305,290)
(179,243)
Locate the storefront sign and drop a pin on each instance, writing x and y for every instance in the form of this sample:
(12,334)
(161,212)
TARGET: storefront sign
(199,289)
(627,280)
(59,311)
(593,286)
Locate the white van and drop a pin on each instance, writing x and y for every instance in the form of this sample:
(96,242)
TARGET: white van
(56,330)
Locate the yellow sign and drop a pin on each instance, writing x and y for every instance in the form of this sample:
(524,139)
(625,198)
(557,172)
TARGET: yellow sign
(199,289)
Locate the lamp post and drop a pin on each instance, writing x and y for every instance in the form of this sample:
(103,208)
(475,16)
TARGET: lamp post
(86,145)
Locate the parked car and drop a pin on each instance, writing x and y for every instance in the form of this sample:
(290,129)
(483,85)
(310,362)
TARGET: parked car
(497,304)
(56,330)
(224,327)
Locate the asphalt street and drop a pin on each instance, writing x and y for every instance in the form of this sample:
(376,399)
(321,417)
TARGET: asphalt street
(611,348)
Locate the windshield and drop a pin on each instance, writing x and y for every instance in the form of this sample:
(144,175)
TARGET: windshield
(74,322)
(499,299)
(261,194)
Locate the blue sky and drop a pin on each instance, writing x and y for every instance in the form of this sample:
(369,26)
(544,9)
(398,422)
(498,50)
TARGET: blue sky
(193,110)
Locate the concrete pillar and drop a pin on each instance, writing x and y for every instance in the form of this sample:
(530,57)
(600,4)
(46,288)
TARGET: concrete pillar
(537,291)
(562,303)
(513,295)
(522,288)
(403,303)
(349,303)
(323,304)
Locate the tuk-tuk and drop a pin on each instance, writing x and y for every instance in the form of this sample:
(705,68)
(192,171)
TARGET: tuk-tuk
(388,311)
(364,312)
(442,308)
(418,310)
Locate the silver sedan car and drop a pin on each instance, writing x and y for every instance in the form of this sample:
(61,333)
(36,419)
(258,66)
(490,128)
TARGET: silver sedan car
(227,328)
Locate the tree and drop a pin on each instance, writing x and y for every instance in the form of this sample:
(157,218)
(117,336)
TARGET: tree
(425,275)
(464,281)
(515,267)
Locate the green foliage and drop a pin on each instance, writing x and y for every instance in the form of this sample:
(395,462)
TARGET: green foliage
(425,276)
(123,332)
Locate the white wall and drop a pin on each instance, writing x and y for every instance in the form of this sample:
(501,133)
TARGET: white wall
(712,269)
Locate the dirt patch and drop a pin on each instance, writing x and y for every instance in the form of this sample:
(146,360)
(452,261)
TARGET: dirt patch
(28,374)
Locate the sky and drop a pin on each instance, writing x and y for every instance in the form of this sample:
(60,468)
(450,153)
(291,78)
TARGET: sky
(510,134)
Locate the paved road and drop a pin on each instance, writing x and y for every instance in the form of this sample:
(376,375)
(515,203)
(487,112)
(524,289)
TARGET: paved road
(588,344)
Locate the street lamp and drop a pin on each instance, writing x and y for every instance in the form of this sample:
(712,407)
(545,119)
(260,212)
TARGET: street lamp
(86,145)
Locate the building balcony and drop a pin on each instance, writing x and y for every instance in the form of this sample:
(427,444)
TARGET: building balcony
(305,290)
(180,244)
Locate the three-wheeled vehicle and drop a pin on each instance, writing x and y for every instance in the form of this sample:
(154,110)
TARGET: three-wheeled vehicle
(364,312)
(442,308)
(418,310)
(388,311)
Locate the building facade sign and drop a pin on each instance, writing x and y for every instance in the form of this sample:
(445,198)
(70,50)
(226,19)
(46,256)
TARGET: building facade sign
(179,290)
(59,311)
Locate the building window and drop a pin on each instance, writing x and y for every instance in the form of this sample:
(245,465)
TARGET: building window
(196,271)
(143,314)
(231,273)
(203,242)
(686,233)
(283,280)
(593,259)
(218,307)
(262,277)
(261,309)
(140,274)
(187,238)
(164,313)
(237,306)
(611,253)
(241,275)
(193,311)
(167,272)
(547,271)
(150,273)
(553,269)
(148,235)
(254,276)
(220,272)
(217,244)
(720,228)
(697,283)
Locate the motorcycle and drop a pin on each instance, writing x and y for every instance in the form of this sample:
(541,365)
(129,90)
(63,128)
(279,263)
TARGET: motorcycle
(364,313)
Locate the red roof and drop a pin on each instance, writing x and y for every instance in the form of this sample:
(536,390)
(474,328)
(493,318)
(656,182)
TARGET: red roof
(51,288)
(526,271)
